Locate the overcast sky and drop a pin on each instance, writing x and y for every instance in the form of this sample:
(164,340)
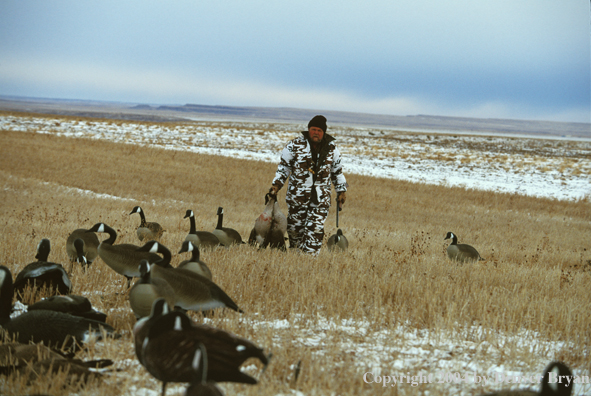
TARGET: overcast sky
(521,59)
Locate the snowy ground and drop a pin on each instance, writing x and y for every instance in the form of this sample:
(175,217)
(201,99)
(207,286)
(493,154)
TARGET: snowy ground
(556,168)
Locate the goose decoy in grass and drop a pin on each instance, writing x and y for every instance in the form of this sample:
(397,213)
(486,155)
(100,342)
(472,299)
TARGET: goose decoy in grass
(70,304)
(337,242)
(15,356)
(194,263)
(123,258)
(200,238)
(43,273)
(461,252)
(551,385)
(54,329)
(147,229)
(271,225)
(169,349)
(147,289)
(82,246)
(142,326)
(200,386)
(227,236)
(193,291)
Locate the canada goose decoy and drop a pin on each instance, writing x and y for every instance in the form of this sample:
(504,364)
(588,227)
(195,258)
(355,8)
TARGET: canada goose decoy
(169,350)
(70,304)
(227,236)
(43,273)
(123,258)
(82,246)
(194,263)
(193,291)
(271,225)
(200,238)
(142,326)
(147,229)
(461,252)
(199,386)
(54,329)
(15,356)
(147,289)
(337,242)
(551,386)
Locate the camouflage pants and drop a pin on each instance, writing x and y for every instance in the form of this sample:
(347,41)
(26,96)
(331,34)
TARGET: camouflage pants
(305,227)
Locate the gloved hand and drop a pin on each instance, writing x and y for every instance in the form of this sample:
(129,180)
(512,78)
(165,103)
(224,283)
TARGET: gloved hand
(341,198)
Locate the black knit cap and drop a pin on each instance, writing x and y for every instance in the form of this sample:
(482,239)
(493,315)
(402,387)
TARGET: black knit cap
(318,122)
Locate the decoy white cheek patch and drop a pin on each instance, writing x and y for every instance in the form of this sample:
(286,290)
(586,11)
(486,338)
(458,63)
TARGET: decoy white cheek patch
(190,248)
(553,379)
(101,228)
(154,248)
(177,324)
(191,215)
(196,359)
(240,348)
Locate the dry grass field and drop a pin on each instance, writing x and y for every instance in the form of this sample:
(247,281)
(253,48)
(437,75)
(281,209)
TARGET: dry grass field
(393,303)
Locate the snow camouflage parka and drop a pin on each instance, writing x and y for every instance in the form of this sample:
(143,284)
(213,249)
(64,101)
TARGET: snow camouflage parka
(308,195)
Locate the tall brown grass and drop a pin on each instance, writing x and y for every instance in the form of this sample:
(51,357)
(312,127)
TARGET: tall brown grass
(536,275)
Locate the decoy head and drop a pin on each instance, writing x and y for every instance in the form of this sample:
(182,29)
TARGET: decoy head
(551,384)
(136,209)
(43,250)
(98,227)
(187,247)
(450,235)
(220,211)
(189,213)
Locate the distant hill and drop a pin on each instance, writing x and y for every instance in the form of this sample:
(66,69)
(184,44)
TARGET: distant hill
(147,112)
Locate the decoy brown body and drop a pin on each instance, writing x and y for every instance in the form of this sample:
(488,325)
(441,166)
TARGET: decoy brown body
(147,229)
(123,258)
(337,242)
(193,291)
(461,252)
(70,304)
(54,329)
(147,289)
(43,273)
(82,246)
(200,386)
(549,388)
(227,236)
(202,239)
(271,225)
(194,263)
(169,349)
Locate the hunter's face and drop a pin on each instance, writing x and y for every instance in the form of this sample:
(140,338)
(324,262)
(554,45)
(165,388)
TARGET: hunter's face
(316,134)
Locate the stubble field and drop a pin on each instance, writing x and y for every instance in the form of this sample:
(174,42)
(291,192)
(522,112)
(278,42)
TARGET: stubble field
(393,304)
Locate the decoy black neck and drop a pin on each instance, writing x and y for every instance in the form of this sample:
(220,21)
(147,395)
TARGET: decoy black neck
(454,240)
(195,255)
(220,221)
(166,257)
(112,235)
(193,228)
(6,295)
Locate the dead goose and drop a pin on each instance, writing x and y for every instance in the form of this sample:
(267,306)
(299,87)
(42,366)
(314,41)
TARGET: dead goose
(169,350)
(461,252)
(550,386)
(123,258)
(70,304)
(43,273)
(193,291)
(147,229)
(200,238)
(200,386)
(194,263)
(337,242)
(54,329)
(271,225)
(146,290)
(82,246)
(227,236)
